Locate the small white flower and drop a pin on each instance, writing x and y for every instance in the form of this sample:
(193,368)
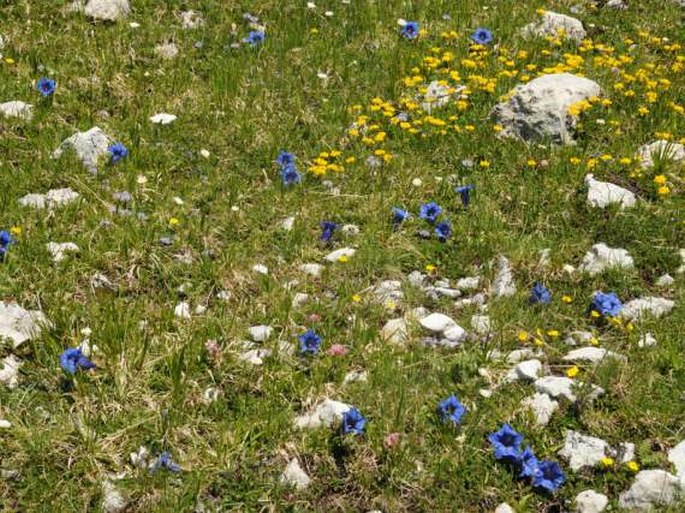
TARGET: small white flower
(134,24)
(417,182)
(204,153)
(328,13)
(311,5)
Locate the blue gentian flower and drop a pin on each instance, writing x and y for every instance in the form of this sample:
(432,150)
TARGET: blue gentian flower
(310,342)
(443,230)
(430,212)
(73,359)
(118,152)
(5,241)
(540,294)
(46,86)
(528,464)
(353,422)
(451,410)
(164,461)
(465,192)
(285,158)
(410,30)
(399,215)
(549,476)
(290,175)
(506,442)
(482,36)
(255,38)
(606,304)
(327,229)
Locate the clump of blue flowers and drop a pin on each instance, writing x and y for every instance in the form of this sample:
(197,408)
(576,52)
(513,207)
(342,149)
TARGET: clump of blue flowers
(464,192)
(46,87)
(410,30)
(399,216)
(165,461)
(5,242)
(443,230)
(451,410)
(353,422)
(430,212)
(289,173)
(545,475)
(540,294)
(481,36)
(73,359)
(118,152)
(327,230)
(255,38)
(310,342)
(606,305)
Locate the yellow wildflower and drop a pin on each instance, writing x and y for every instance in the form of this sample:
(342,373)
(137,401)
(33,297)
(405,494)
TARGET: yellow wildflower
(567,299)
(15,230)
(573,371)
(663,190)
(522,336)
(607,462)
(660,179)
(633,466)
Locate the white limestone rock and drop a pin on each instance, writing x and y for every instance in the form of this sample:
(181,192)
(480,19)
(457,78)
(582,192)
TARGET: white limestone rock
(503,283)
(436,96)
(90,146)
(639,308)
(288,223)
(113,501)
(388,290)
(191,20)
(260,333)
(182,310)
(255,356)
(468,283)
(528,370)
(313,270)
(561,386)
(107,10)
(166,51)
(300,299)
(325,414)
(542,407)
(602,257)
(17,109)
(647,340)
(619,5)
(354,376)
(677,457)
(293,475)
(20,325)
(556,25)
(5,424)
(583,451)
(437,322)
(592,354)
(163,118)
(539,109)
(650,488)
(60,250)
(481,324)
(590,501)
(665,280)
(504,508)
(602,194)
(579,337)
(396,331)
(660,150)
(260,269)
(334,256)
(518,355)
(9,371)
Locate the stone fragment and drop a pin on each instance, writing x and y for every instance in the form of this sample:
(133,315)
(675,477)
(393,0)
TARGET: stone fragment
(260,333)
(90,146)
(60,250)
(590,501)
(649,489)
(107,10)
(602,257)
(17,109)
(560,386)
(503,282)
(9,372)
(639,308)
(163,118)
(660,150)
(591,354)
(602,194)
(20,325)
(542,407)
(395,331)
(335,256)
(528,370)
(293,475)
(324,414)
(556,25)
(582,451)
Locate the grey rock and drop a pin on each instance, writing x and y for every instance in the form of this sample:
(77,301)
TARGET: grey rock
(521,354)
(660,150)
(504,508)
(602,257)
(602,194)
(191,20)
(639,308)
(293,475)
(107,10)
(539,109)
(437,322)
(20,325)
(590,501)
(579,337)
(314,270)
(334,256)
(89,146)
(650,488)
(582,451)
(469,283)
(324,414)
(395,331)
(9,371)
(481,324)
(554,24)
(559,386)
(166,51)
(17,109)
(503,283)
(665,280)
(113,501)
(60,250)
(591,354)
(260,333)
(619,5)
(299,299)
(528,370)
(677,457)
(542,407)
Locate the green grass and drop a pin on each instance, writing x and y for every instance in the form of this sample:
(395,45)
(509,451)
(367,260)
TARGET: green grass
(243,105)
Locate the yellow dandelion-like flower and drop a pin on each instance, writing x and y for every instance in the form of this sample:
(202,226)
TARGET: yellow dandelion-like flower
(498,128)
(643,111)
(531,163)
(174,221)
(660,180)
(522,336)
(430,268)
(573,371)
(625,161)
(15,230)
(633,466)
(343,258)
(553,333)
(9,60)
(350,160)
(663,190)
(567,299)
(607,462)
(594,341)
(356,298)
(574,160)
(484,163)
